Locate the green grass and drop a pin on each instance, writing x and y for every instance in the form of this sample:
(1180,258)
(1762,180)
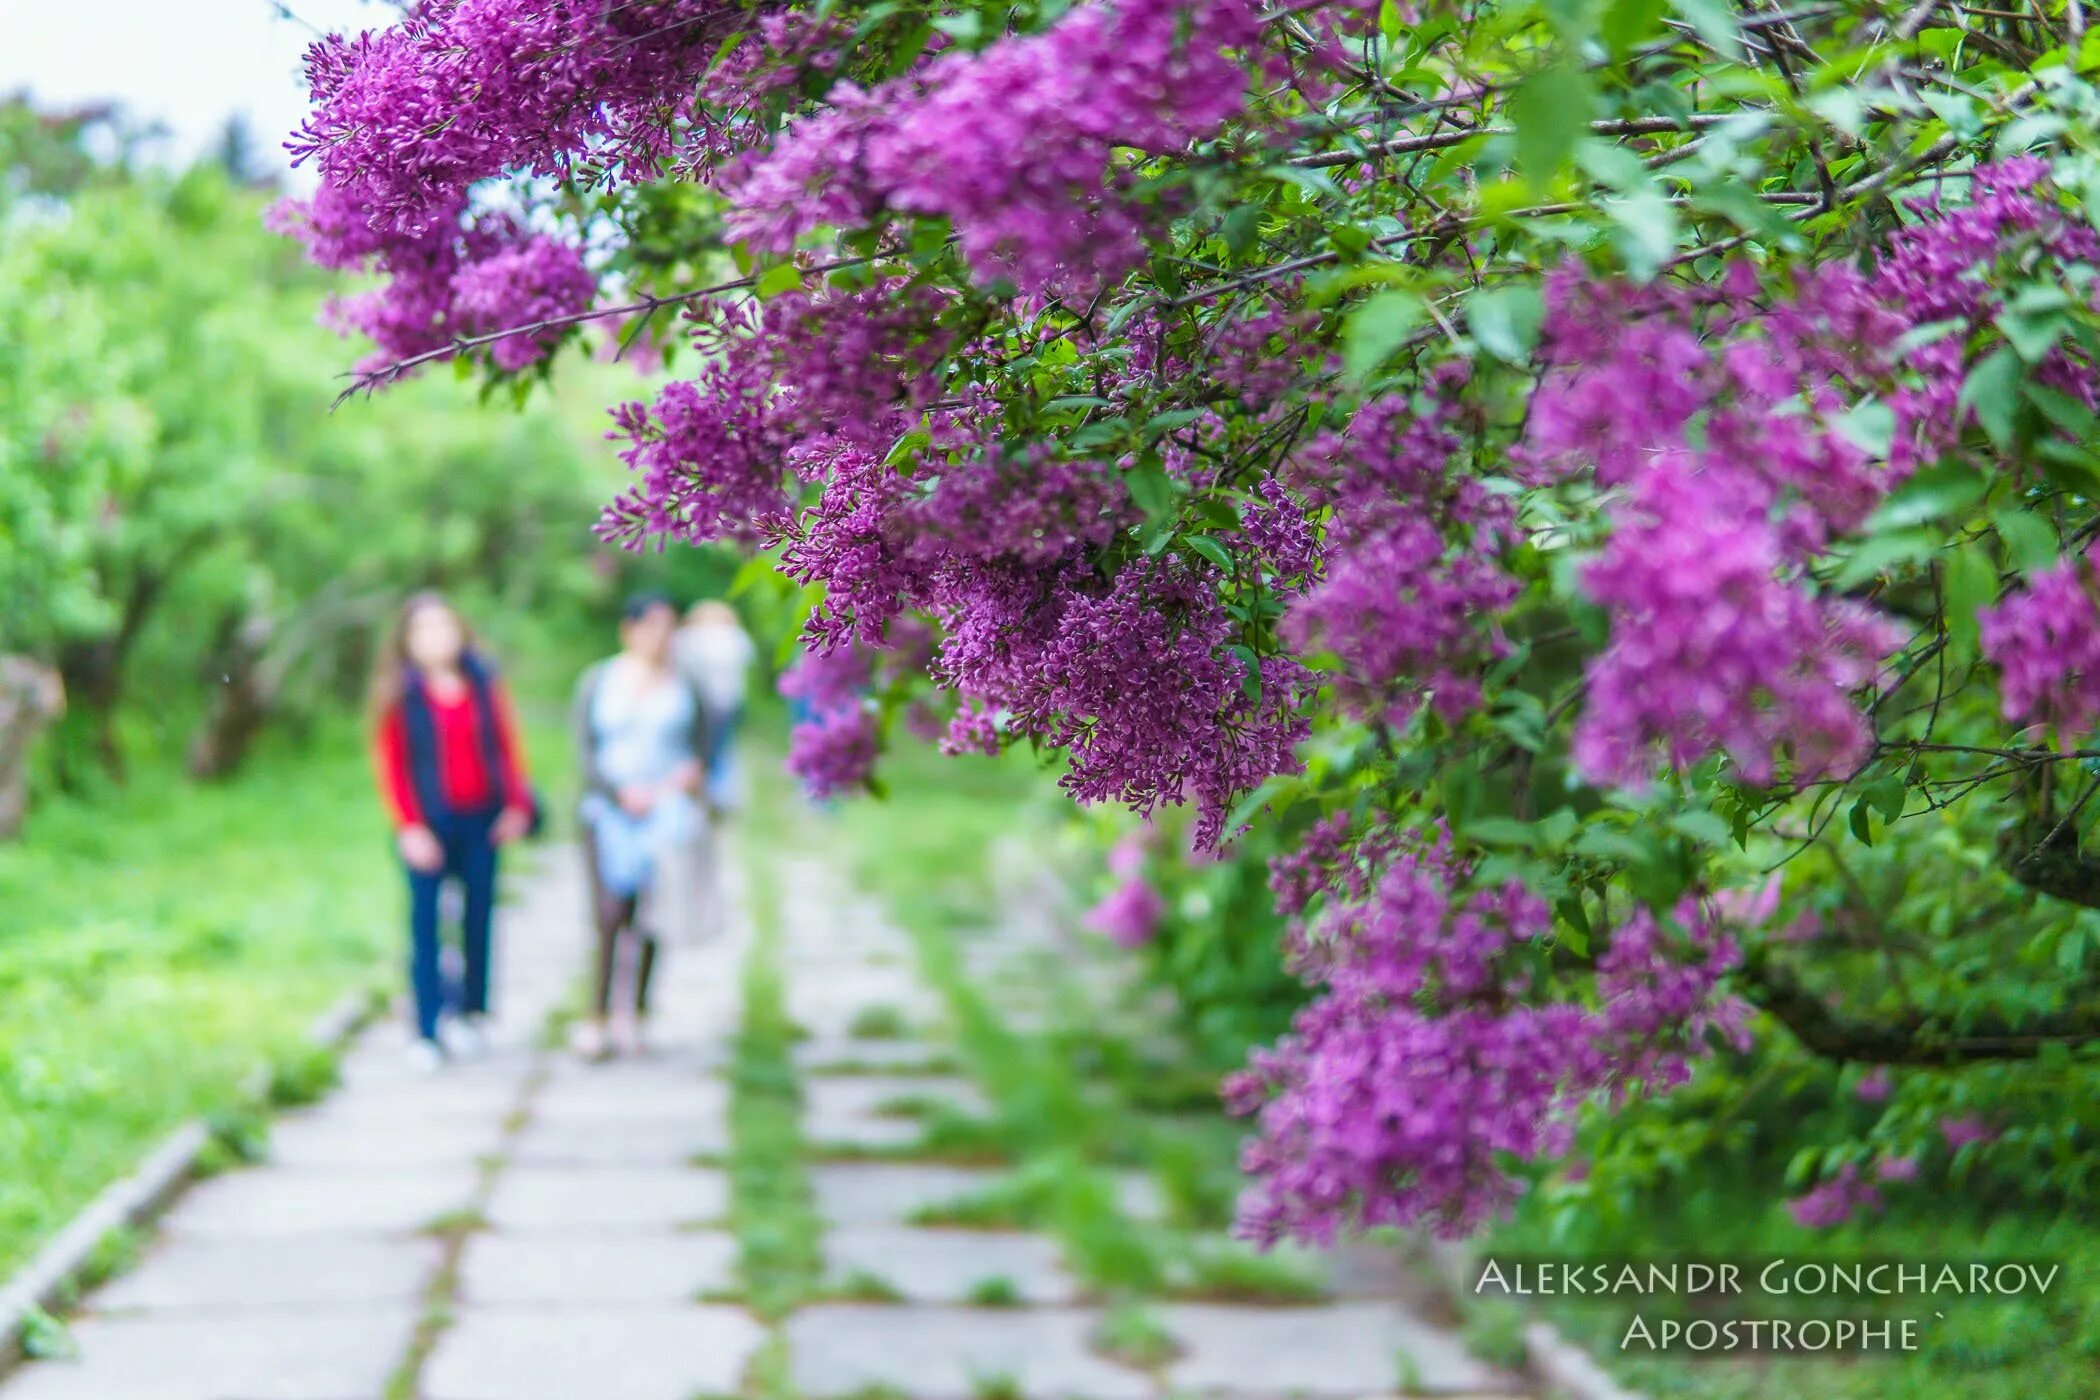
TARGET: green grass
(997,1291)
(771,1211)
(161,942)
(1223,1272)
(1131,1334)
(879,1023)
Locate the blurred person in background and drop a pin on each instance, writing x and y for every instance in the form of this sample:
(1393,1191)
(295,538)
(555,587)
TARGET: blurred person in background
(640,732)
(715,653)
(452,776)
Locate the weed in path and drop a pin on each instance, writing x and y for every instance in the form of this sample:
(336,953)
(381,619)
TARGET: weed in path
(771,1211)
(995,1292)
(1131,1334)
(860,1286)
(1222,1272)
(302,1075)
(997,1385)
(879,1022)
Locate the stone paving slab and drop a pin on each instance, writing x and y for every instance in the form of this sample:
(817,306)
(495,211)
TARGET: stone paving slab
(1338,1349)
(848,1110)
(613,1268)
(333,1354)
(932,1353)
(619,1142)
(285,1202)
(323,1140)
(947,1266)
(273,1273)
(630,1352)
(387,1086)
(665,1097)
(587,1198)
(886,1193)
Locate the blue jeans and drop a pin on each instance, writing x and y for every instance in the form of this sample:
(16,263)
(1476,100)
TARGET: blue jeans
(470,858)
(721,758)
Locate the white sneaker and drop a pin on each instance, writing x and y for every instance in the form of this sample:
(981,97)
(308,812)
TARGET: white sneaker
(629,1035)
(462,1037)
(424,1057)
(587,1039)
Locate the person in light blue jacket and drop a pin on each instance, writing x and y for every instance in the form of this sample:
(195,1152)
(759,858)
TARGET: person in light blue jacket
(641,733)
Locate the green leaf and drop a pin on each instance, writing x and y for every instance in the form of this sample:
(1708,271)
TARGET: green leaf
(1160,424)
(2030,540)
(907,446)
(1242,226)
(1628,23)
(1882,551)
(753,570)
(1862,822)
(1992,389)
(1706,828)
(1376,329)
(1714,22)
(1154,491)
(1551,108)
(1576,933)
(1500,831)
(1945,488)
(1210,549)
(1505,322)
(785,277)
(1888,796)
(1870,425)
(1971,583)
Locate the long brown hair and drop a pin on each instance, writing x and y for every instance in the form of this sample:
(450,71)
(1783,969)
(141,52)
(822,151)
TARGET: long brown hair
(391,666)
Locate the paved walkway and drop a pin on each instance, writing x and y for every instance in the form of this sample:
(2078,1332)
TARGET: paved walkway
(528,1228)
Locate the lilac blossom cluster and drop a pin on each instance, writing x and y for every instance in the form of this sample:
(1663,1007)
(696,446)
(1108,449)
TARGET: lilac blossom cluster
(1015,144)
(1411,575)
(1738,432)
(785,437)
(2045,640)
(408,122)
(834,743)
(1744,429)
(1434,1055)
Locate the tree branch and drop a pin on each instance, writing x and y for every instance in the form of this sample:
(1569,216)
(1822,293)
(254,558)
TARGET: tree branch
(368,380)
(1919,1038)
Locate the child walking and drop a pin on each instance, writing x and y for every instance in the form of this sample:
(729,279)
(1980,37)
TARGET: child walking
(453,780)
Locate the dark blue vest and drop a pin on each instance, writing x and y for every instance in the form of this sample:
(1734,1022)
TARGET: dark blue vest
(421,730)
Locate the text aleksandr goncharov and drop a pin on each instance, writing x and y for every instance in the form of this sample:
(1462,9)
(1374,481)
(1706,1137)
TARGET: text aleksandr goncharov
(1776,1278)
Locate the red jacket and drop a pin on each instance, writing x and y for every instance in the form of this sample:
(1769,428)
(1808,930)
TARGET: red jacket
(460,762)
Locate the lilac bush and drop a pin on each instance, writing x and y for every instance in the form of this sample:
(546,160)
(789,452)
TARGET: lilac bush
(1493,449)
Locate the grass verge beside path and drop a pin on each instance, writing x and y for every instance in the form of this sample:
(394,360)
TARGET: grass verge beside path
(159,941)
(156,946)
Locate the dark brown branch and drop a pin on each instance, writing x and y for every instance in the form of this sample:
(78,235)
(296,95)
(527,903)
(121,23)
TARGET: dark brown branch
(1915,1038)
(1438,140)
(369,380)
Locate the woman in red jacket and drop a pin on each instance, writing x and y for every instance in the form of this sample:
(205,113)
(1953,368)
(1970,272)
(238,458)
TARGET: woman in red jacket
(452,776)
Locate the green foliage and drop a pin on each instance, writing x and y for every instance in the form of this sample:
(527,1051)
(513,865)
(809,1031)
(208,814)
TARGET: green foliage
(771,1210)
(995,1292)
(128,1006)
(878,1022)
(302,1076)
(1133,1335)
(185,527)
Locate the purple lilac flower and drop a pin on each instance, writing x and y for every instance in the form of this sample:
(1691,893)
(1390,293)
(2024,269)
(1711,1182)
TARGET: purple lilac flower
(1130,914)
